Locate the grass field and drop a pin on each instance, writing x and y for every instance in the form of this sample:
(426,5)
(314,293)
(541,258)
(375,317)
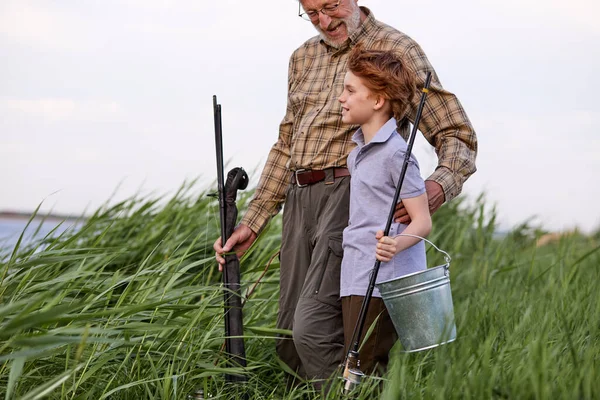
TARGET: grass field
(129,306)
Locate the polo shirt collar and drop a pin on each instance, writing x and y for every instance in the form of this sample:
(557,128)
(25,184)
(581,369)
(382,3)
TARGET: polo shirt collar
(382,135)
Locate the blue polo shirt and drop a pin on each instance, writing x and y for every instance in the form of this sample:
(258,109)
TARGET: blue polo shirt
(375,169)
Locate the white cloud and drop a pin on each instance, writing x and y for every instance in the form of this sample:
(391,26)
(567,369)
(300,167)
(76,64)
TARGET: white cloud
(540,165)
(49,109)
(57,109)
(577,14)
(33,25)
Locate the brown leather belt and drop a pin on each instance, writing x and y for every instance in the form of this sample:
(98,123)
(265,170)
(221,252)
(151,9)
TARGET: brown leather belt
(305,177)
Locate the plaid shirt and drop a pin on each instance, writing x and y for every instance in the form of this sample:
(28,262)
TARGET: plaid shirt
(312,135)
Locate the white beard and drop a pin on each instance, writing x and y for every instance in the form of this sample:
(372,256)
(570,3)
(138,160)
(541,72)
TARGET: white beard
(352,25)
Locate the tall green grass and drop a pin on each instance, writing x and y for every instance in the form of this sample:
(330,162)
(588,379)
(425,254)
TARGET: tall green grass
(129,306)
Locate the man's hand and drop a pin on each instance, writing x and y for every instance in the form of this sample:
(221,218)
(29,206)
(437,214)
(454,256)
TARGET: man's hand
(241,239)
(435,197)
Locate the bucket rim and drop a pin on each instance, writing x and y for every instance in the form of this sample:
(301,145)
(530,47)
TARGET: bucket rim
(428,347)
(446,266)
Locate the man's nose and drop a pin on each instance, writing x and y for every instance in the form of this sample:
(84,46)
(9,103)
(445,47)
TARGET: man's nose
(324,20)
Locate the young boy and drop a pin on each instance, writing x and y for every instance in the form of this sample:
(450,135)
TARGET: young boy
(377,90)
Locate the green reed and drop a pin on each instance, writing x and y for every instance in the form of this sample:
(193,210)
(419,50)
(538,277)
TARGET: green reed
(129,306)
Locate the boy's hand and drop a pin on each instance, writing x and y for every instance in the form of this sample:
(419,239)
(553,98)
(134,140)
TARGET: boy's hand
(386,248)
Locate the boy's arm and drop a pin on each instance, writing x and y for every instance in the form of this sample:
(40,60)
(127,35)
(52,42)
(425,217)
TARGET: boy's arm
(420,225)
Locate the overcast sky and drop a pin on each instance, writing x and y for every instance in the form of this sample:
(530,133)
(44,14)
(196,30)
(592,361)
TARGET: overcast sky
(94,94)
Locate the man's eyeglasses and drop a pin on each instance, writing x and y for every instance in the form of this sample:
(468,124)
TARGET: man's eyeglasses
(313,15)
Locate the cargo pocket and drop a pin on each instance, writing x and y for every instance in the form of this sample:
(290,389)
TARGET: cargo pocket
(328,288)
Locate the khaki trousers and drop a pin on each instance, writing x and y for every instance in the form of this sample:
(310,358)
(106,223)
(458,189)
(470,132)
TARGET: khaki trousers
(311,252)
(374,353)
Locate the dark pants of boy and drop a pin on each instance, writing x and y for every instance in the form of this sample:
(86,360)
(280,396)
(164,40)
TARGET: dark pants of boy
(311,253)
(374,353)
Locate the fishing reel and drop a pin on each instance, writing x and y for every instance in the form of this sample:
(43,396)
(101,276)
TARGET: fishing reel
(237,179)
(352,374)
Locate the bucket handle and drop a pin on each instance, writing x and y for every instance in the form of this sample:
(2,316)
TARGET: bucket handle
(447,257)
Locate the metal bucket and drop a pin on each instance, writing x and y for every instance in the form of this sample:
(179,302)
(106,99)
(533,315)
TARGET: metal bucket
(420,306)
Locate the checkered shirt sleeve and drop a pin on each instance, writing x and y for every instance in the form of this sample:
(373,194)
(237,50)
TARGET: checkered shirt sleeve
(312,135)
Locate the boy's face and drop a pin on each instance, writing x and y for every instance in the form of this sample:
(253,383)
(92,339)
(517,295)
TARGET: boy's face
(358,102)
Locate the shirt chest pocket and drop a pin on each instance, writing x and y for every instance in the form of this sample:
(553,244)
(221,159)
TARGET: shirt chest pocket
(305,109)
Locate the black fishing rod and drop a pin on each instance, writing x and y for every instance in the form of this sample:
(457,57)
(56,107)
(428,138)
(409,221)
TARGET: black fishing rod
(237,179)
(352,373)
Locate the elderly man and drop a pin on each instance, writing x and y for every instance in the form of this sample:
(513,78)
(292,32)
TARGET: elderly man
(306,168)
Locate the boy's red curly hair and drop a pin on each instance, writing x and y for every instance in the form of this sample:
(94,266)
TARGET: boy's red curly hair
(386,75)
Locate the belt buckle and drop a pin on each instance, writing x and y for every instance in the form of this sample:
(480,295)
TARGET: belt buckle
(296,175)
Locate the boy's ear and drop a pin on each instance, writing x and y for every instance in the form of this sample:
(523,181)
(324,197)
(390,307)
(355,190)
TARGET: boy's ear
(379,103)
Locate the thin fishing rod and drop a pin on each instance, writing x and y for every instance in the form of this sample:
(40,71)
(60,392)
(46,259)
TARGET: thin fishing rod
(365,305)
(220,173)
(236,179)
(222,211)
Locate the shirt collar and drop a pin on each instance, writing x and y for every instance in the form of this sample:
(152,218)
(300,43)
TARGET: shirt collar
(382,135)
(367,25)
